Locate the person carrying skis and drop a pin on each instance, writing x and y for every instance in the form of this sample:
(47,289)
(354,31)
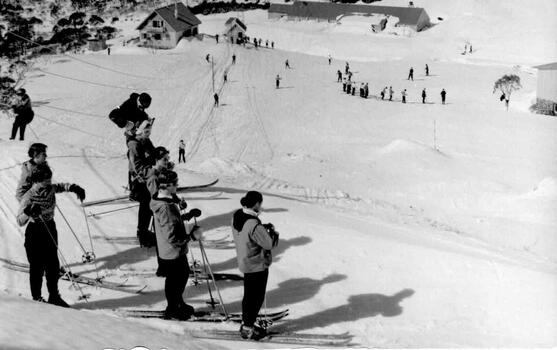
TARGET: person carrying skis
(443,96)
(339,76)
(403,93)
(23,114)
(254,242)
(172,244)
(277,81)
(411,74)
(131,113)
(423,95)
(37,155)
(181,152)
(41,238)
(391,93)
(141,154)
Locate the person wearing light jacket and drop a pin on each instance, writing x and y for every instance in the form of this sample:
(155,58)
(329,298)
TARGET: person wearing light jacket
(37,155)
(41,238)
(254,242)
(172,243)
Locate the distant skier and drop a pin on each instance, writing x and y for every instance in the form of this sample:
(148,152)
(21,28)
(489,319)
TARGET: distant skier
(362,90)
(225,77)
(443,96)
(427,70)
(141,156)
(233,58)
(172,243)
(277,81)
(330,59)
(391,93)
(131,113)
(411,74)
(348,86)
(344,85)
(272,44)
(339,76)
(354,89)
(37,156)
(403,93)
(108,51)
(349,75)
(41,237)
(267,43)
(216,98)
(286,64)
(23,113)
(383,93)
(181,152)
(424,95)
(207,58)
(217,38)
(366,90)
(254,242)
(260,41)
(346,68)
(470,48)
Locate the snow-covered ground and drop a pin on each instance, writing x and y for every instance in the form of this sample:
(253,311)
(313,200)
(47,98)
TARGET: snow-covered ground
(383,235)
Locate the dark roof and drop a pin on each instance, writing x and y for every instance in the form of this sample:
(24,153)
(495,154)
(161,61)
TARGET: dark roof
(235,19)
(330,11)
(549,66)
(185,20)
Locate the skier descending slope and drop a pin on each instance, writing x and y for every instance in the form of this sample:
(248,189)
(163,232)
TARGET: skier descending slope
(41,238)
(254,242)
(37,155)
(141,156)
(172,243)
(131,113)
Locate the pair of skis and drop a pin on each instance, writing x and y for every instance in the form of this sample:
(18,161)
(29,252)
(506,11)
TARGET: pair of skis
(204,316)
(77,278)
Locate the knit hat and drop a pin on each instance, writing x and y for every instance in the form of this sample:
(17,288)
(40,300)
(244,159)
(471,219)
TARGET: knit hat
(167,177)
(145,100)
(251,198)
(20,91)
(160,152)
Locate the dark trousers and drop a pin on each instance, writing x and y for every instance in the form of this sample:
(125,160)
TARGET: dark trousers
(403,99)
(443,100)
(181,155)
(177,272)
(18,124)
(140,193)
(42,255)
(255,285)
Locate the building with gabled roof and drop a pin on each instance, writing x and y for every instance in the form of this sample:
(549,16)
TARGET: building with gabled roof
(415,18)
(235,29)
(546,94)
(165,26)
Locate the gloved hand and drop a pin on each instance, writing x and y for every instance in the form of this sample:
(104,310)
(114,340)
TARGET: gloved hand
(183,205)
(79,191)
(194,213)
(32,210)
(269,227)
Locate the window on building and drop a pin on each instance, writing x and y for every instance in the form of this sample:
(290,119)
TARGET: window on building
(157,24)
(157,37)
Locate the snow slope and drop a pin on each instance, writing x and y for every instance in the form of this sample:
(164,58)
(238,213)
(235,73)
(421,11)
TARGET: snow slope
(402,240)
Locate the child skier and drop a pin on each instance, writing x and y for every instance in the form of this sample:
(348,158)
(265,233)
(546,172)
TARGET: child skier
(41,238)
(254,242)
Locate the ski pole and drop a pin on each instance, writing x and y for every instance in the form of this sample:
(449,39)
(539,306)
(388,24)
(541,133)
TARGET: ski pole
(86,257)
(65,264)
(91,242)
(111,211)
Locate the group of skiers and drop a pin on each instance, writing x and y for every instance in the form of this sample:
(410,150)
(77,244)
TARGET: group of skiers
(24,113)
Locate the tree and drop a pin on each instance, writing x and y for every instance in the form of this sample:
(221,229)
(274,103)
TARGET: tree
(507,84)
(77,19)
(54,10)
(95,20)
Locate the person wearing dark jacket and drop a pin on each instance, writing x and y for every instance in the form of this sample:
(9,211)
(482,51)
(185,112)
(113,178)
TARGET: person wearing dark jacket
(339,76)
(172,244)
(41,238)
(141,156)
(37,155)
(424,95)
(254,242)
(23,114)
(411,74)
(443,96)
(131,113)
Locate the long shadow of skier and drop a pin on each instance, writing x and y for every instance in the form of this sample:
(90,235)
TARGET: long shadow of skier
(358,307)
(292,291)
(224,220)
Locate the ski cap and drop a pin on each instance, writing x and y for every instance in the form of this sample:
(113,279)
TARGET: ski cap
(160,152)
(145,100)
(167,177)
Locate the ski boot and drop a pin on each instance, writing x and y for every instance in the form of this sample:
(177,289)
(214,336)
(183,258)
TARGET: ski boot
(253,332)
(56,299)
(182,312)
(39,299)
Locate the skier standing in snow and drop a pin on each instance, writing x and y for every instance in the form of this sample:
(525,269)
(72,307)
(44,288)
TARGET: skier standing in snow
(254,242)
(330,59)
(225,77)
(286,64)
(354,89)
(234,58)
(207,58)
(339,76)
(41,238)
(272,44)
(217,38)
(383,93)
(403,93)
(391,93)
(267,43)
(427,70)
(181,152)
(411,74)
(277,81)
(362,90)
(443,96)
(131,113)
(216,98)
(423,95)
(172,244)
(348,86)
(346,68)
(37,155)
(23,114)
(366,90)
(141,154)
(344,83)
